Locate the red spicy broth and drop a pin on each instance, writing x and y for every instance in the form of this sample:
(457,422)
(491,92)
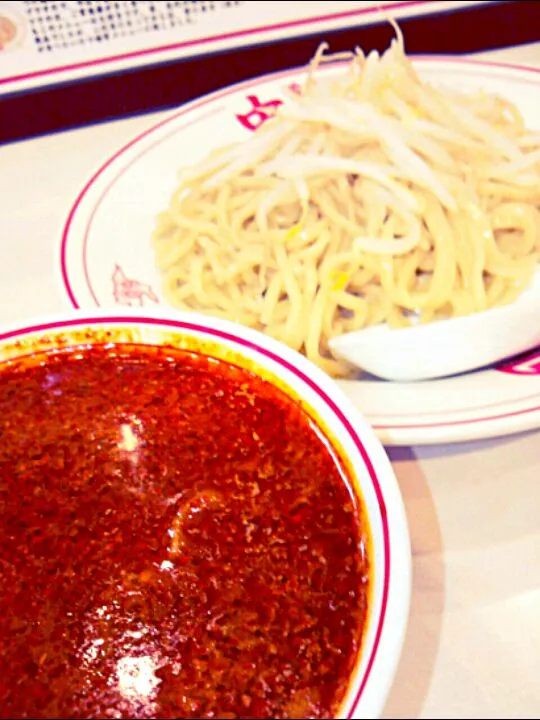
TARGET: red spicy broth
(177,540)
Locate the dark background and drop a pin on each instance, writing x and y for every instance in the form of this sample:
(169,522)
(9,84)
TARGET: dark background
(169,84)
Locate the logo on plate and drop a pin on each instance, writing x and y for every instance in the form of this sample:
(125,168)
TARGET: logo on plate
(526,364)
(261,111)
(127,291)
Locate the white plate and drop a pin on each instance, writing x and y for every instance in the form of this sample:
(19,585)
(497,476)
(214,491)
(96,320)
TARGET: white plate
(106,259)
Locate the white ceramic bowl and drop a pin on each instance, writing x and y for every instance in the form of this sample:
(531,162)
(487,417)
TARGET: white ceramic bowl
(372,473)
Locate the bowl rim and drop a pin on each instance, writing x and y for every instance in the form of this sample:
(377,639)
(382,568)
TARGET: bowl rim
(367,694)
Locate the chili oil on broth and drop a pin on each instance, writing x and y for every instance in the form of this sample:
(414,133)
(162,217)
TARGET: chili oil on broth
(177,540)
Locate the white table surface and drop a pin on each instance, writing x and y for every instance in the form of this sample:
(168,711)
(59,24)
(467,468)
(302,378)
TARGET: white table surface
(472,648)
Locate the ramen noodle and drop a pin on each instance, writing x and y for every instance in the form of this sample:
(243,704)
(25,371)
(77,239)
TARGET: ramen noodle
(370,196)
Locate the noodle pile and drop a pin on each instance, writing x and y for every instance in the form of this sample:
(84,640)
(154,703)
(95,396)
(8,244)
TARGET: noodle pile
(369,197)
